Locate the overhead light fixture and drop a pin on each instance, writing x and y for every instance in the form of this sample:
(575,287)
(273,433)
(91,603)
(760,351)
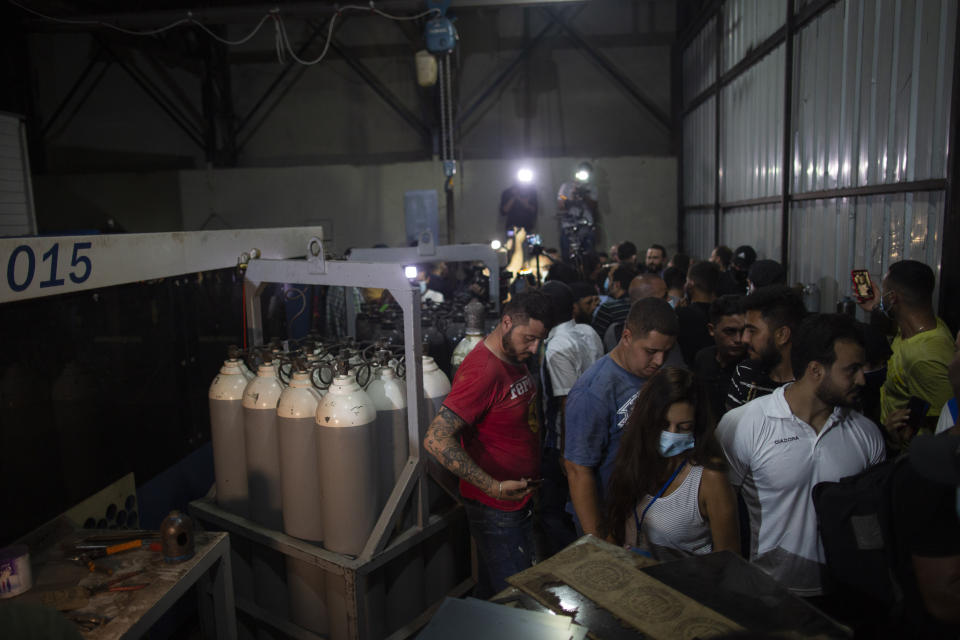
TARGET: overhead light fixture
(525,175)
(410,272)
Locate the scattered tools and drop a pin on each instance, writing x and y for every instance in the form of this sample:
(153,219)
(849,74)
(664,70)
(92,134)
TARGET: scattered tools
(84,560)
(89,621)
(112,585)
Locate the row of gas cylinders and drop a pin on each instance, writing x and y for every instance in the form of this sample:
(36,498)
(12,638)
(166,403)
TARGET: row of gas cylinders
(317,464)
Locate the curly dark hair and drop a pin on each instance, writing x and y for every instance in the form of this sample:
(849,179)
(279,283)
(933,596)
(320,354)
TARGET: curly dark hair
(639,469)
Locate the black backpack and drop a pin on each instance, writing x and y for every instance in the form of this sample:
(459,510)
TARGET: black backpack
(856,524)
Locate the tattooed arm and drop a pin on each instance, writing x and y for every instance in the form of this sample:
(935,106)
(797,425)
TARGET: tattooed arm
(443,443)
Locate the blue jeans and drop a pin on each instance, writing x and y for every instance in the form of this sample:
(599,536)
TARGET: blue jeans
(504,543)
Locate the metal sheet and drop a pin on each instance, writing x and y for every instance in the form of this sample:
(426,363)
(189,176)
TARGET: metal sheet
(757,226)
(747,23)
(820,249)
(699,62)
(828,238)
(698,238)
(699,166)
(751,140)
(50,265)
(872,86)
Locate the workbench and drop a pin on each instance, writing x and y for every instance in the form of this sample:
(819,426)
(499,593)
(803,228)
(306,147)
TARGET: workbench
(700,596)
(60,583)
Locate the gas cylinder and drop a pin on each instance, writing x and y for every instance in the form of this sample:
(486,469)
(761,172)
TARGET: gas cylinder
(300,484)
(346,421)
(234,354)
(228,439)
(436,386)
(347,453)
(388,394)
(260,398)
(230,462)
(473,314)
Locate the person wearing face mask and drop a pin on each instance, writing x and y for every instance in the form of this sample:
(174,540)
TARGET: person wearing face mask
(600,402)
(668,495)
(922,349)
(780,445)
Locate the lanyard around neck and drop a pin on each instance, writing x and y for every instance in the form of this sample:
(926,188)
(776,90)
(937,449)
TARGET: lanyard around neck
(643,515)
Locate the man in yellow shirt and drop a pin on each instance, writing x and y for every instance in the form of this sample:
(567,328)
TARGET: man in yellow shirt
(922,348)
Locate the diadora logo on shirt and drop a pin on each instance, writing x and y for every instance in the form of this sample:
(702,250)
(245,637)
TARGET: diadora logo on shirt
(786,440)
(520,387)
(624,412)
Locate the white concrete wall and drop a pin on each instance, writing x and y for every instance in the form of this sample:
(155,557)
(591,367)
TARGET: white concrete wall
(363,205)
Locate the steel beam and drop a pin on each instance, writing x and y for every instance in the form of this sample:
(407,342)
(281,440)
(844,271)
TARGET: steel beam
(287,68)
(156,95)
(787,142)
(382,90)
(220,130)
(81,79)
(950,258)
(503,75)
(659,116)
(49,265)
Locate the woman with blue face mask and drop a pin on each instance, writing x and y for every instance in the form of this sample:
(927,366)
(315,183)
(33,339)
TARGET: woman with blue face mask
(668,495)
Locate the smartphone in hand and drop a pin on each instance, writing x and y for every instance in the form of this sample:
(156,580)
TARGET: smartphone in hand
(862,285)
(918,412)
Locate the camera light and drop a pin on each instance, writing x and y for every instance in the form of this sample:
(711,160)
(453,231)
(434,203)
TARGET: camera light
(410,272)
(495,245)
(582,175)
(525,175)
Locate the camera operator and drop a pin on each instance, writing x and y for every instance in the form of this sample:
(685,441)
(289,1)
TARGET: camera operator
(577,211)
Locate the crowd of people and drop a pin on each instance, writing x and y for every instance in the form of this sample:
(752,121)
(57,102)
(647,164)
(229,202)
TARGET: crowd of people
(680,406)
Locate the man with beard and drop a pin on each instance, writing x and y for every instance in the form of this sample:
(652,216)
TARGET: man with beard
(487,433)
(656,259)
(585,301)
(714,365)
(599,404)
(771,315)
(781,445)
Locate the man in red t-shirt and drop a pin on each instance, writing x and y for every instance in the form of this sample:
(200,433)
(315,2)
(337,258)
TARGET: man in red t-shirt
(487,433)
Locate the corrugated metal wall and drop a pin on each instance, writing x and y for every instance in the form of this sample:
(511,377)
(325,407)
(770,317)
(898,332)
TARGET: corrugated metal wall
(872,87)
(699,142)
(757,226)
(872,84)
(699,69)
(828,238)
(747,23)
(751,137)
(698,233)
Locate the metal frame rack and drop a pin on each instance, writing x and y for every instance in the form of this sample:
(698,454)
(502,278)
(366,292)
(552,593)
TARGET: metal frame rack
(426,251)
(315,270)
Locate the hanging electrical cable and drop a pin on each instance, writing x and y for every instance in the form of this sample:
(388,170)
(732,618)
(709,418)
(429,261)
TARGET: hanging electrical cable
(282,43)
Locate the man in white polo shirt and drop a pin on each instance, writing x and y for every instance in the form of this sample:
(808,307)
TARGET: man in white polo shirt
(780,445)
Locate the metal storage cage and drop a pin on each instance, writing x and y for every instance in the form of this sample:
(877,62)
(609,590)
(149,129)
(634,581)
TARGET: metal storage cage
(380,548)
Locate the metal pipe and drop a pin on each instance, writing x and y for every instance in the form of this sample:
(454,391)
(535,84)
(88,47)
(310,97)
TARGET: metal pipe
(785,173)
